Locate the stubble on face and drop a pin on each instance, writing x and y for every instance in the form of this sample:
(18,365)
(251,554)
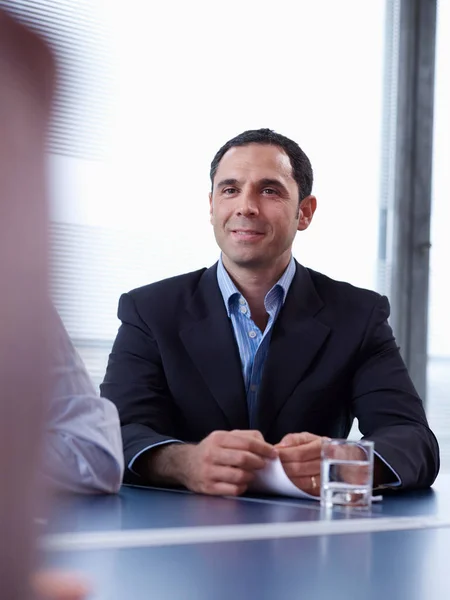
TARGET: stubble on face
(254,206)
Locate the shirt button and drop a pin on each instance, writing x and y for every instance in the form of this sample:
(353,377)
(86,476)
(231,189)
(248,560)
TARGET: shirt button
(243,309)
(241,300)
(253,388)
(252,334)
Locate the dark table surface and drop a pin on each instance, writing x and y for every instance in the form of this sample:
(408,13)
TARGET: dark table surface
(410,563)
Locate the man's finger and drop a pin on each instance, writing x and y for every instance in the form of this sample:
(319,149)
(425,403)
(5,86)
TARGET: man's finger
(302,469)
(296,439)
(231,475)
(242,459)
(249,443)
(249,433)
(226,489)
(301,453)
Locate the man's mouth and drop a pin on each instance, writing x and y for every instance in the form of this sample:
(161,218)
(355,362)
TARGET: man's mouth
(246,232)
(246,235)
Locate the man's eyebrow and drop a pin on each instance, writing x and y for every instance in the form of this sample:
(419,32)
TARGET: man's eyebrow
(227,182)
(262,182)
(272,182)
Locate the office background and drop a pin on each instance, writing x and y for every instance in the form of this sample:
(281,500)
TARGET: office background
(149,91)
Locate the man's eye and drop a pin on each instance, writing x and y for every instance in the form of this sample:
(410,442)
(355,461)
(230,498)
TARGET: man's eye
(229,191)
(270,191)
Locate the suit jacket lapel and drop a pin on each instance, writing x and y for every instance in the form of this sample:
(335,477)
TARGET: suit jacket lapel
(209,339)
(296,339)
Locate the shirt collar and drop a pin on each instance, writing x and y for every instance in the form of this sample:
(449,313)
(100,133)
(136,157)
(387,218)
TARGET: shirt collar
(229,290)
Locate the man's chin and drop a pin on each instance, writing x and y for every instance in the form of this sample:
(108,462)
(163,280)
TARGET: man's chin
(249,261)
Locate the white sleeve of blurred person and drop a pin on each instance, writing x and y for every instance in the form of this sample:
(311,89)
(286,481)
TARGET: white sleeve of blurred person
(83,445)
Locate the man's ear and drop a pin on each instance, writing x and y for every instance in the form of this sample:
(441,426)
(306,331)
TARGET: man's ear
(210,206)
(306,212)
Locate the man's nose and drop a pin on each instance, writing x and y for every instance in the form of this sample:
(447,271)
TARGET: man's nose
(248,205)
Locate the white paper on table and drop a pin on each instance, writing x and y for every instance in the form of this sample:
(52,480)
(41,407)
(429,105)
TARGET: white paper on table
(272,479)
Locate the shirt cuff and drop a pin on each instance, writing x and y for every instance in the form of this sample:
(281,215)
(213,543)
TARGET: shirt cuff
(131,463)
(393,484)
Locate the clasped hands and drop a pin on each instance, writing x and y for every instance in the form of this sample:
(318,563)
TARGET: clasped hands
(225,462)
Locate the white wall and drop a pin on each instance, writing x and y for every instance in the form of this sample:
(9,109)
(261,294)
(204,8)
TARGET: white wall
(187,76)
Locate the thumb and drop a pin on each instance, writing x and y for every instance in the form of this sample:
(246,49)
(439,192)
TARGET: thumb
(297,439)
(287,440)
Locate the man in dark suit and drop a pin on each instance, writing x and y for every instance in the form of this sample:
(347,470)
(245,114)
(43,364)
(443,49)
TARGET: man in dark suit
(259,356)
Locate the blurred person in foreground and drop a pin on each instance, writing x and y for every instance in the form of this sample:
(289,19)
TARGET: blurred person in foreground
(259,356)
(26,86)
(26,324)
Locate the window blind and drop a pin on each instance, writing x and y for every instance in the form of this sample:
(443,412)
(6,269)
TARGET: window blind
(92,267)
(83,277)
(80,43)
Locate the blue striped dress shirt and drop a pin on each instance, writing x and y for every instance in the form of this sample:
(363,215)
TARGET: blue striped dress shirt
(253,343)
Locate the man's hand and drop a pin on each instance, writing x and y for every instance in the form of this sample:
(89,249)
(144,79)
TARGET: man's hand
(300,456)
(224,463)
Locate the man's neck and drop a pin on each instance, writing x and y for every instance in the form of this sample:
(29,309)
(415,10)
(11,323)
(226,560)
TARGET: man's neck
(255,283)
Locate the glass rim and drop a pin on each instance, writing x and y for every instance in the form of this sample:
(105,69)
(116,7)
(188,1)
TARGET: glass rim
(368,443)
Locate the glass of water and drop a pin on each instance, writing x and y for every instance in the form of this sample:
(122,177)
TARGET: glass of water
(346,473)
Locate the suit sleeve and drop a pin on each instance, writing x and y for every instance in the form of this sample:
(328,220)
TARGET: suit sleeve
(389,411)
(136,383)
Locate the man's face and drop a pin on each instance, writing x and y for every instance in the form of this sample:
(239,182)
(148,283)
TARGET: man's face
(254,206)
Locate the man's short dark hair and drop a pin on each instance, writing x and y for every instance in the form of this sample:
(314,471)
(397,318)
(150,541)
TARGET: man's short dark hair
(301,166)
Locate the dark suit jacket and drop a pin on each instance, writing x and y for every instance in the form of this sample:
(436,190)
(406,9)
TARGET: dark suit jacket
(175,372)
